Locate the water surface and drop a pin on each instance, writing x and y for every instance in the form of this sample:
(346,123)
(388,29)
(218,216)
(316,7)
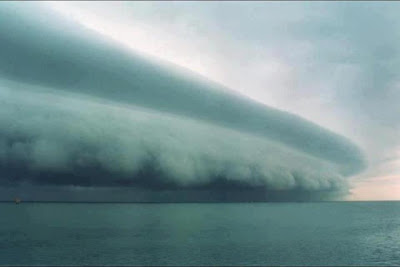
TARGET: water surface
(329,233)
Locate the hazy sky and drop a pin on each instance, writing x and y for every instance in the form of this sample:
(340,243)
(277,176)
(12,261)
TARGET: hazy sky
(334,63)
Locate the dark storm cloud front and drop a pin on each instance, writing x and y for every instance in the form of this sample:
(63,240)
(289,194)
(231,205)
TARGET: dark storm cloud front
(79,110)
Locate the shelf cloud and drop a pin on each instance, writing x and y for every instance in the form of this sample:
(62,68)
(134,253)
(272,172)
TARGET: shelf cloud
(80,112)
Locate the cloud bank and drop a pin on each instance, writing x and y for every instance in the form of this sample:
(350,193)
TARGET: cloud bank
(79,110)
(334,63)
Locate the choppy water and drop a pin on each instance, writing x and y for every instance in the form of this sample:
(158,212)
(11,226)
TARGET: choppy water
(337,233)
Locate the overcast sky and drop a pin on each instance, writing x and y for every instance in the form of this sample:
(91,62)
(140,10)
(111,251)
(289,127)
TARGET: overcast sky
(334,63)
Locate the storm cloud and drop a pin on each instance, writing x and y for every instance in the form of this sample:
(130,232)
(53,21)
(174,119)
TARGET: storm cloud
(79,110)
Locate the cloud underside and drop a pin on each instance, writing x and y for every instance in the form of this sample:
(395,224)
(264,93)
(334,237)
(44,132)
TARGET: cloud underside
(93,115)
(53,139)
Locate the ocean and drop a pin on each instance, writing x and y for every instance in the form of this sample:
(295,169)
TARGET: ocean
(323,233)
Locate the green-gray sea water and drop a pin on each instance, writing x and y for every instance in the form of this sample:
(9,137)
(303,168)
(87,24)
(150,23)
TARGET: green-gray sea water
(327,233)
